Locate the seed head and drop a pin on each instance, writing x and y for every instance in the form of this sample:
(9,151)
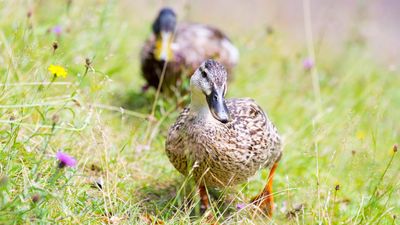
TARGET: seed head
(35,198)
(88,63)
(55,46)
(55,118)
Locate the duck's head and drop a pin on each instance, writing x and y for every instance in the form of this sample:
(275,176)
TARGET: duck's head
(164,28)
(208,88)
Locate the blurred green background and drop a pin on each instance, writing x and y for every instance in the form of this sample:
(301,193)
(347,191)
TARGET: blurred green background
(339,120)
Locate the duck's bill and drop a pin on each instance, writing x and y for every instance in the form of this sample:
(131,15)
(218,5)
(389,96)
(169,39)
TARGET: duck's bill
(163,50)
(218,108)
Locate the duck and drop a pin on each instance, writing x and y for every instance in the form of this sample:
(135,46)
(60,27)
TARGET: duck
(177,49)
(223,142)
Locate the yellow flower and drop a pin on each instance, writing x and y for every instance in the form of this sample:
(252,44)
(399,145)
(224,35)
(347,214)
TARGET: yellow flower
(360,135)
(57,71)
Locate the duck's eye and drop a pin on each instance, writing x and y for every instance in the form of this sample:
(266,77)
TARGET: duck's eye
(203,74)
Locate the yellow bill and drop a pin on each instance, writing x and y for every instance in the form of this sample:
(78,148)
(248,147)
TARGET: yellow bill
(163,49)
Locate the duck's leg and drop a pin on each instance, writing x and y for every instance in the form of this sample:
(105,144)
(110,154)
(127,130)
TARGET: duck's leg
(265,200)
(205,205)
(204,202)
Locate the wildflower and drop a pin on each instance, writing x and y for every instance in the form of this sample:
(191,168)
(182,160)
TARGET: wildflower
(360,135)
(393,150)
(65,160)
(308,63)
(240,206)
(145,87)
(57,71)
(57,30)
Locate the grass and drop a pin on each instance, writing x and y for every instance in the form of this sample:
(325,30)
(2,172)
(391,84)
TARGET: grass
(338,167)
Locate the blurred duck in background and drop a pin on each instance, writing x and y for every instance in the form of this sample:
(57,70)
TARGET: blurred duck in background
(181,48)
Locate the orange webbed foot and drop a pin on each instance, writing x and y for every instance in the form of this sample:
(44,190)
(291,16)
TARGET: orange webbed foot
(265,200)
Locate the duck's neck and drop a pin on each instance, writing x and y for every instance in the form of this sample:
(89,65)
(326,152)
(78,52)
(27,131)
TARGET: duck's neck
(199,107)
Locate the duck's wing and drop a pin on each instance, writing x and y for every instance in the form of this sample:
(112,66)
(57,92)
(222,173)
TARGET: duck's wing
(147,49)
(175,145)
(197,42)
(150,67)
(254,129)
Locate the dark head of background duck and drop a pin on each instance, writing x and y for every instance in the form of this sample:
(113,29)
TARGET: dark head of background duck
(166,21)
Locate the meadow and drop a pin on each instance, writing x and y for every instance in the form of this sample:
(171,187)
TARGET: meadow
(339,119)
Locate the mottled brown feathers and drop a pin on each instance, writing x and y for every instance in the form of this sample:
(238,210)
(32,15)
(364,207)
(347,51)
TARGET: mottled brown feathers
(224,154)
(216,71)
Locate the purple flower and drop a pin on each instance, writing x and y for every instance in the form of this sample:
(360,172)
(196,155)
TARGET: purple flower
(145,88)
(57,30)
(65,160)
(240,206)
(308,63)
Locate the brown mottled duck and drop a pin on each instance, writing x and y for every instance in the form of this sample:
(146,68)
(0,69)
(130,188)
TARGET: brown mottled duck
(184,46)
(223,142)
